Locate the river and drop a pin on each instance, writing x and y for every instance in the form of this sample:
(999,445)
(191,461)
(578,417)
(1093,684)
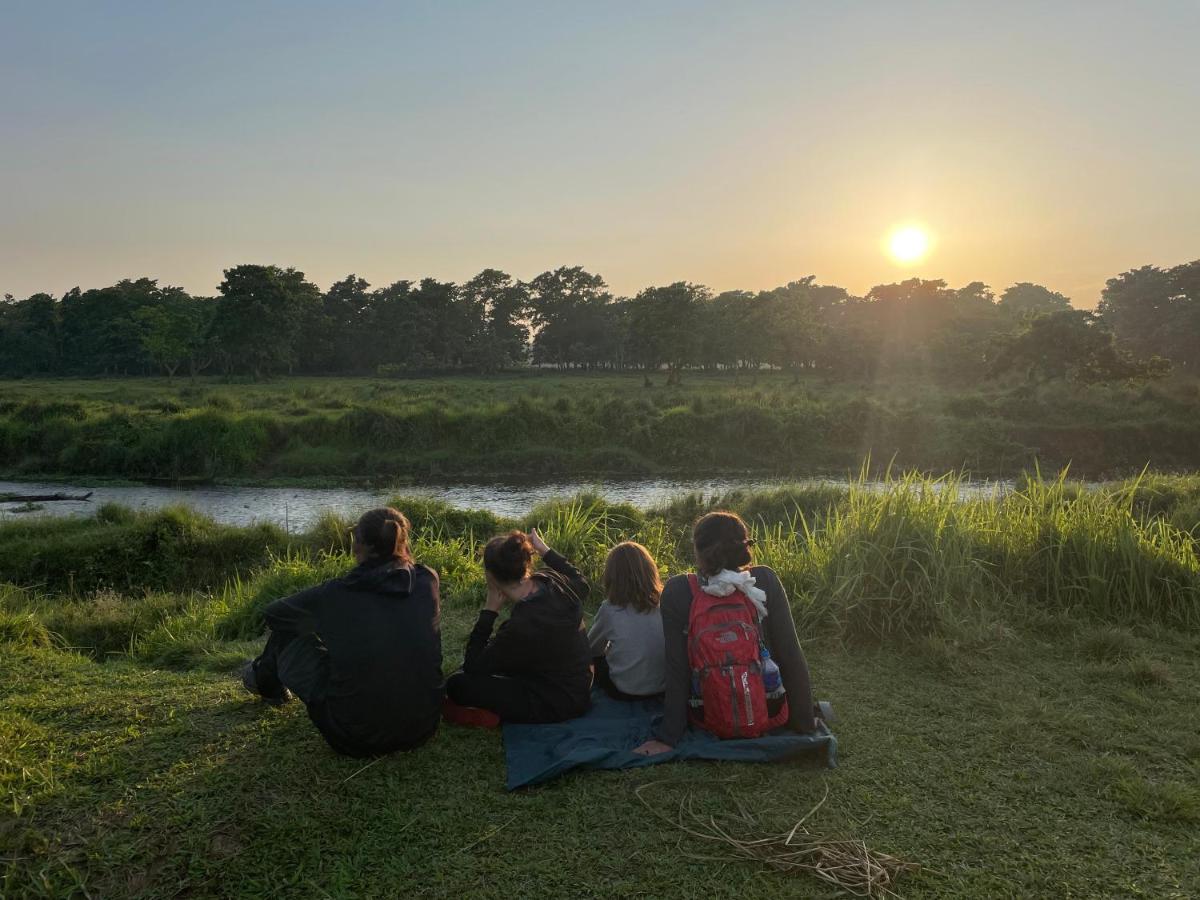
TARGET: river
(297,508)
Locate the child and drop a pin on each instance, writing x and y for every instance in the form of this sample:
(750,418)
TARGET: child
(626,636)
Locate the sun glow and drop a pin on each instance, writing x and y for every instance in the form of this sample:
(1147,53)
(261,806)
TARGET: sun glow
(908,244)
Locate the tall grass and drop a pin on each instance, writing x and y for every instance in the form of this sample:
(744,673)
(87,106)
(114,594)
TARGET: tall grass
(904,560)
(339,428)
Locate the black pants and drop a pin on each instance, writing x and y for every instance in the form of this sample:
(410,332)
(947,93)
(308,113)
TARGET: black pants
(298,662)
(512,698)
(604,680)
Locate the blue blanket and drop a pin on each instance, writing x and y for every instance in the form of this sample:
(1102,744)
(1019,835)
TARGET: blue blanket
(606,736)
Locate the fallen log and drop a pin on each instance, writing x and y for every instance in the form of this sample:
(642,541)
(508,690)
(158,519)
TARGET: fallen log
(44,498)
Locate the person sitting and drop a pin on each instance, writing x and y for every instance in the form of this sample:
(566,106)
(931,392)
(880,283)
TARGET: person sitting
(722,547)
(363,652)
(537,666)
(626,636)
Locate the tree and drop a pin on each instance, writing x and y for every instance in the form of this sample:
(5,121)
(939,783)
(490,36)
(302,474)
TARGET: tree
(101,331)
(1181,331)
(29,335)
(729,337)
(452,322)
(567,311)
(503,339)
(398,332)
(1025,300)
(336,339)
(1076,346)
(903,319)
(665,326)
(792,322)
(1156,311)
(260,316)
(174,332)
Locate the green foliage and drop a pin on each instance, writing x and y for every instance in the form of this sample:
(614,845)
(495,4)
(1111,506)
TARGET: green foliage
(270,320)
(22,630)
(584,426)
(172,549)
(262,313)
(1074,345)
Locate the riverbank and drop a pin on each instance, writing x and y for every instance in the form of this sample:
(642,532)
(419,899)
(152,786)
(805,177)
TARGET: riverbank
(314,430)
(1016,676)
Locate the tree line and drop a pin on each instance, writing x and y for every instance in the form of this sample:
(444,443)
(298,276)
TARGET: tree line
(268,320)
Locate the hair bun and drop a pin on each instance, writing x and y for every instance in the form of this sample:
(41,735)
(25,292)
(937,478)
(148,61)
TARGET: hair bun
(508,557)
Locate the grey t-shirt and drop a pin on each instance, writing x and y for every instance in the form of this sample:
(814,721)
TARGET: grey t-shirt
(636,656)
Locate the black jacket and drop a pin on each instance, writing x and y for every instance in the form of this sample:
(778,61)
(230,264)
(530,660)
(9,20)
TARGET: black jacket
(380,626)
(542,642)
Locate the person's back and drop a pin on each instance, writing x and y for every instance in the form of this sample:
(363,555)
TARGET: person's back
(724,565)
(379,628)
(363,652)
(626,637)
(631,642)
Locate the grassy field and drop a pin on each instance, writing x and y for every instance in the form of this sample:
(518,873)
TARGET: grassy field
(398,431)
(1017,680)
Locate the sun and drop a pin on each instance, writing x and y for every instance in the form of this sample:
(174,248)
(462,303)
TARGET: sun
(908,244)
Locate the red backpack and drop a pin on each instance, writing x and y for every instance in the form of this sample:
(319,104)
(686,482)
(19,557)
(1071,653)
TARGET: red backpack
(724,641)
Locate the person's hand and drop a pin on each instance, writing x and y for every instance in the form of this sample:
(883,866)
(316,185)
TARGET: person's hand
(653,748)
(540,546)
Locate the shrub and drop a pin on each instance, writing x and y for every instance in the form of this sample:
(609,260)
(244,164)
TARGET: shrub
(22,629)
(171,549)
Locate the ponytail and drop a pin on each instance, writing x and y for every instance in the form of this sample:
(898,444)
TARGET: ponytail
(384,533)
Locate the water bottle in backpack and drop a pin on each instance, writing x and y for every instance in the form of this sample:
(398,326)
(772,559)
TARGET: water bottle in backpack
(772,681)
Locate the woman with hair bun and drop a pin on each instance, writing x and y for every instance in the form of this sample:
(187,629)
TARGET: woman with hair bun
(724,566)
(363,652)
(536,668)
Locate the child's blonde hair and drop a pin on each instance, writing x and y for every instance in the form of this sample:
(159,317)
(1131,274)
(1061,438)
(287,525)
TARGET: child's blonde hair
(631,577)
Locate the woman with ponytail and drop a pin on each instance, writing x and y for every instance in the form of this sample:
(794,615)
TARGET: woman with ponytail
(724,565)
(363,652)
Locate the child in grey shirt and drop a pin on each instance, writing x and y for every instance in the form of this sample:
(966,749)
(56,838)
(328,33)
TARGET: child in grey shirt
(626,636)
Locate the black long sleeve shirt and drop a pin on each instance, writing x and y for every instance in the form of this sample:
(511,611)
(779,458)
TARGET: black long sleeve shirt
(779,632)
(542,641)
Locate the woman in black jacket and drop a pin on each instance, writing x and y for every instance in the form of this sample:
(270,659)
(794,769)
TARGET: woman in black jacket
(537,666)
(363,652)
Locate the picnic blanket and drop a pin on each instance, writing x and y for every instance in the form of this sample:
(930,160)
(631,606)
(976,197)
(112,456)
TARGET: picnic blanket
(604,738)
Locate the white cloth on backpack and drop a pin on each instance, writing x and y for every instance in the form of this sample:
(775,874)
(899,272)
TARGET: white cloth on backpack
(727,581)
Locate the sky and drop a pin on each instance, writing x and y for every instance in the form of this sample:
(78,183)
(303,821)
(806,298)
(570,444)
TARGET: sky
(734,145)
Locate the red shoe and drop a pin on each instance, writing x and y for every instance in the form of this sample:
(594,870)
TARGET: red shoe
(470,716)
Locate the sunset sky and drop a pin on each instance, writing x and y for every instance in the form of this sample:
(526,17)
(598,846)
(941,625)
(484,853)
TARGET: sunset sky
(736,145)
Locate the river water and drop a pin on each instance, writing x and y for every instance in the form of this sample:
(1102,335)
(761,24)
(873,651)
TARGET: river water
(297,508)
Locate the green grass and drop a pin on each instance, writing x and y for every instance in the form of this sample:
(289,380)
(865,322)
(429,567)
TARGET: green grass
(1016,679)
(141,782)
(346,429)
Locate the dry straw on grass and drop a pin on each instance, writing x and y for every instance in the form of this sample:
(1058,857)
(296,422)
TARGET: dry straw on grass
(846,863)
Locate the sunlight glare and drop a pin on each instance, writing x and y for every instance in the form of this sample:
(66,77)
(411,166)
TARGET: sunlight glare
(909,244)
